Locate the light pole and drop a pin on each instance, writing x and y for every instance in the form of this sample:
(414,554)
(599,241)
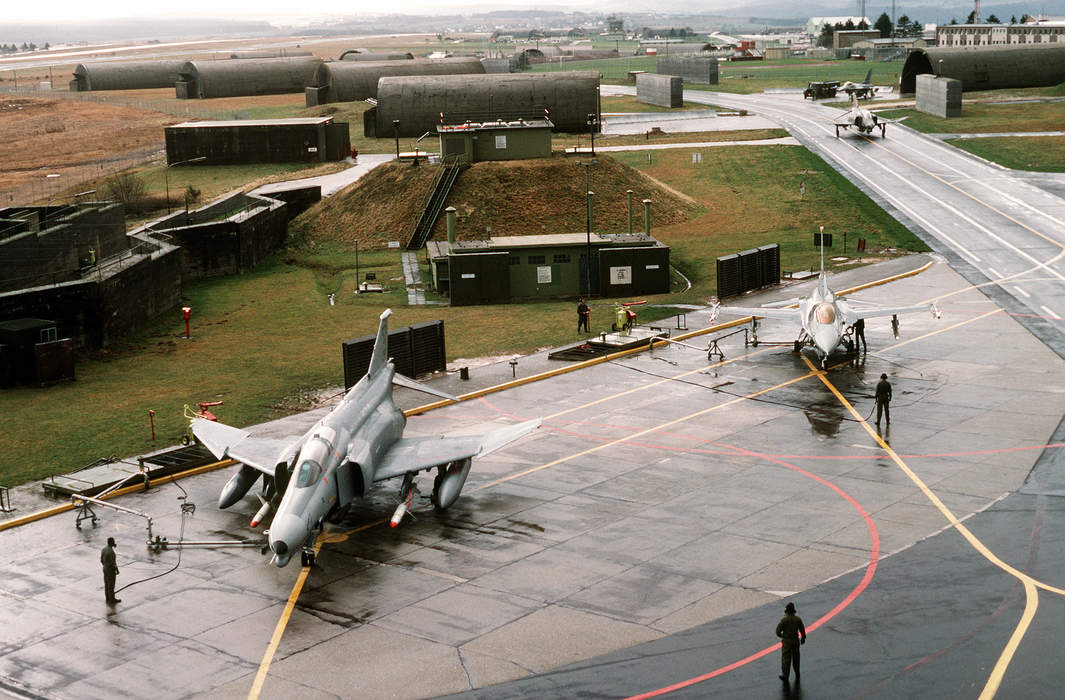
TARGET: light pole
(395,129)
(166,175)
(588,224)
(592,121)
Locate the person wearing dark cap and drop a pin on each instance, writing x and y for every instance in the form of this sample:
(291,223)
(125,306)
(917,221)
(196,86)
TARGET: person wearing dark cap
(883,400)
(583,312)
(110,564)
(792,634)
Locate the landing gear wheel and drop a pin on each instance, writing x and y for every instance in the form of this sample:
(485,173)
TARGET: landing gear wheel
(614,327)
(184,439)
(797,347)
(849,345)
(436,489)
(307,557)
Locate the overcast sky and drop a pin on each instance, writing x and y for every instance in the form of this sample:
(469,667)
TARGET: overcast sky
(20,10)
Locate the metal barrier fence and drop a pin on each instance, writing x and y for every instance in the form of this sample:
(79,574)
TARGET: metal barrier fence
(45,187)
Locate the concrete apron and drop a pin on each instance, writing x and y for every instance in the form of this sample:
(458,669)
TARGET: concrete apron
(642,507)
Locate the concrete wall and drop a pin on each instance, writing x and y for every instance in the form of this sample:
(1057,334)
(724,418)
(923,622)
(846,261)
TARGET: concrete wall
(660,90)
(125,75)
(940,97)
(51,244)
(350,81)
(417,102)
(702,71)
(253,76)
(988,67)
(511,144)
(273,141)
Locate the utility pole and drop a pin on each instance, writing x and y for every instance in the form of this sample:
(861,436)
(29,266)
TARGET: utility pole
(588,224)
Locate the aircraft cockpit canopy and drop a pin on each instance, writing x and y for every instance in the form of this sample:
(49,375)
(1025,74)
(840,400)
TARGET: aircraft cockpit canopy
(310,469)
(825,313)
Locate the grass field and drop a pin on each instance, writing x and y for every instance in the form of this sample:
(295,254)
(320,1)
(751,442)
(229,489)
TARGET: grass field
(265,341)
(745,76)
(1040,153)
(988,117)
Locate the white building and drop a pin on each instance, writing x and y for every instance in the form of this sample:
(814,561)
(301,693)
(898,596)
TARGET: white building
(1039,32)
(815,25)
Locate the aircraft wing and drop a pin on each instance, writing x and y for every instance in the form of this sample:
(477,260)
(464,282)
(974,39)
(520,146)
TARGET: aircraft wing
(416,454)
(225,441)
(853,314)
(764,312)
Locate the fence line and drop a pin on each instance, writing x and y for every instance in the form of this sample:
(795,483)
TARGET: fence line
(184,108)
(45,187)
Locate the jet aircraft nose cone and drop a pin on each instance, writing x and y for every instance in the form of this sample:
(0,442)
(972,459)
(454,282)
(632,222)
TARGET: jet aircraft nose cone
(287,534)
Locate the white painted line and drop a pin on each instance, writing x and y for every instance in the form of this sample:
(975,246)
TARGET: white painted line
(1023,293)
(875,448)
(1052,313)
(994,272)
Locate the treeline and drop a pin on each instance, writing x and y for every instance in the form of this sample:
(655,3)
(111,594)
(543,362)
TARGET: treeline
(904,26)
(12,48)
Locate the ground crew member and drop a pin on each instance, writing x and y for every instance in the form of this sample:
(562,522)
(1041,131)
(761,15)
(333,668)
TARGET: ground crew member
(107,559)
(792,633)
(583,312)
(883,400)
(859,335)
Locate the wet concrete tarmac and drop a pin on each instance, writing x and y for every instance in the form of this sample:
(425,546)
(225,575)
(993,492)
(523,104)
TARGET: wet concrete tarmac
(666,500)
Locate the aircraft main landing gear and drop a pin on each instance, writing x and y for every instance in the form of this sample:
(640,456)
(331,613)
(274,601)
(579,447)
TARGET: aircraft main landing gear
(307,556)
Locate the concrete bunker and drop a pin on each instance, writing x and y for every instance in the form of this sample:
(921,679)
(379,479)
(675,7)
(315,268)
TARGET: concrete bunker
(411,106)
(125,75)
(987,67)
(306,140)
(350,81)
(253,76)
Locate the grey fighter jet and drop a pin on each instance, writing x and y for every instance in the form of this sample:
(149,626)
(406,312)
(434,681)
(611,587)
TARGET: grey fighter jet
(357,444)
(826,321)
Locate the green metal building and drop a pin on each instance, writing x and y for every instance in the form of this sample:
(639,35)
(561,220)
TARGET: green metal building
(499,139)
(511,268)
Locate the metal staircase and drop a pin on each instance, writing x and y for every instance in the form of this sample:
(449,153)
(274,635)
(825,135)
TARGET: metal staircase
(433,204)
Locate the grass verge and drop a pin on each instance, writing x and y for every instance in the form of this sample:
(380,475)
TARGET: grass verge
(1040,153)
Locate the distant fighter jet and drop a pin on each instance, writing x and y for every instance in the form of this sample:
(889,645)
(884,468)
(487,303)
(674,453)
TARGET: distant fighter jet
(826,320)
(862,89)
(861,119)
(358,443)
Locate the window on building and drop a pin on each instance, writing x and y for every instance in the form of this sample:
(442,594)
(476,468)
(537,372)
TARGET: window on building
(514,260)
(560,258)
(537,259)
(49,335)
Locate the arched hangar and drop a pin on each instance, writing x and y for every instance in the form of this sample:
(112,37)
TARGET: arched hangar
(252,76)
(987,67)
(417,102)
(348,81)
(125,75)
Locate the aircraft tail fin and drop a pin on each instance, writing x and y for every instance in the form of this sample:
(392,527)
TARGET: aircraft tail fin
(380,347)
(868,76)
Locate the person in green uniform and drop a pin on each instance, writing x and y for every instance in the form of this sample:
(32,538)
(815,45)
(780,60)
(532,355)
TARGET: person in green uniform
(883,399)
(110,564)
(583,313)
(792,634)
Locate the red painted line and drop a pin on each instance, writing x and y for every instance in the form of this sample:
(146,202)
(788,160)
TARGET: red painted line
(867,578)
(870,571)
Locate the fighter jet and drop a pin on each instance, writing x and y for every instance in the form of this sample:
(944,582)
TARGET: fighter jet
(826,321)
(359,443)
(861,119)
(862,89)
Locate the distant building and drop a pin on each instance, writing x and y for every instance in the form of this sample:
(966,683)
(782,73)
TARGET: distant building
(815,25)
(1039,32)
(846,38)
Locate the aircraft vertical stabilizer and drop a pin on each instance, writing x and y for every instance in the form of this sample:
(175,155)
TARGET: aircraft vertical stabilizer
(380,347)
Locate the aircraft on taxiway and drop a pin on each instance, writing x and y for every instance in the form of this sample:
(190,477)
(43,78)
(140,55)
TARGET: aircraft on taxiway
(862,119)
(826,321)
(358,443)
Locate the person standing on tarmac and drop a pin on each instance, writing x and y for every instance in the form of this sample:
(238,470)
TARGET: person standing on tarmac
(859,335)
(583,312)
(108,561)
(883,400)
(792,633)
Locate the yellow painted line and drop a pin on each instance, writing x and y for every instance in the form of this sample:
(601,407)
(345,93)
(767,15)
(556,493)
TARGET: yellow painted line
(1031,604)
(66,507)
(1030,583)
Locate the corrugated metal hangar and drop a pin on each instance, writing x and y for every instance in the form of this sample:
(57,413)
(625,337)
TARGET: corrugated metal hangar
(413,105)
(367,55)
(988,67)
(350,81)
(125,75)
(308,140)
(253,76)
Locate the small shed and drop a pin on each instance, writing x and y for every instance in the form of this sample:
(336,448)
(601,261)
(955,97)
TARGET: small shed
(31,352)
(303,140)
(498,139)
